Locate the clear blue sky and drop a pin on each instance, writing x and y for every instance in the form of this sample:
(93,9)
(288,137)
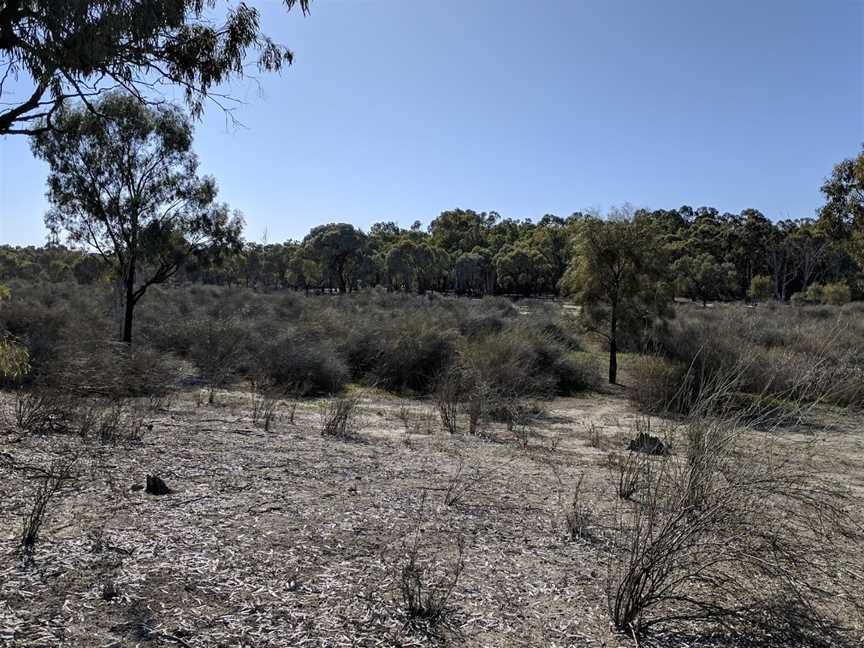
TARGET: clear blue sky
(399,109)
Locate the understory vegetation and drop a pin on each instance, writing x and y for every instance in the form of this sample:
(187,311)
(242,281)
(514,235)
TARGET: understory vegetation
(780,357)
(290,344)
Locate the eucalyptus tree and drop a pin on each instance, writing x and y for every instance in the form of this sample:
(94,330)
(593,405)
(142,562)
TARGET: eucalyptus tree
(53,51)
(123,183)
(338,249)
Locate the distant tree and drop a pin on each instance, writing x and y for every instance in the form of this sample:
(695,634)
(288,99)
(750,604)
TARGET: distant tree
(402,265)
(749,237)
(461,230)
(522,269)
(761,288)
(614,275)
(704,278)
(338,249)
(474,273)
(89,269)
(126,187)
(80,49)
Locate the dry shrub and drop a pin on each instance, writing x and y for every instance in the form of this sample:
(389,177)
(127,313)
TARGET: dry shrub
(265,404)
(42,411)
(725,532)
(108,420)
(448,397)
(305,366)
(218,347)
(576,513)
(813,354)
(628,470)
(111,421)
(426,586)
(657,384)
(593,432)
(49,484)
(99,368)
(415,422)
(340,417)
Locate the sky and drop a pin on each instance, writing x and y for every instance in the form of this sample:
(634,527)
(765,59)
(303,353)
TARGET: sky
(400,109)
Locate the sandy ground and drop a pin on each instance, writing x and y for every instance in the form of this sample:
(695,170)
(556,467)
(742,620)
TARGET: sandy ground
(287,538)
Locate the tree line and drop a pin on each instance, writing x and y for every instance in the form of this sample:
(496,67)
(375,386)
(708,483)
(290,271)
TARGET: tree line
(705,255)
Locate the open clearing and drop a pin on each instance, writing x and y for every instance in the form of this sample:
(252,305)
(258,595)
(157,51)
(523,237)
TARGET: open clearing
(288,538)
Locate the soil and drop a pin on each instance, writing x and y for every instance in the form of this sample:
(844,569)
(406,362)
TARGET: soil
(287,538)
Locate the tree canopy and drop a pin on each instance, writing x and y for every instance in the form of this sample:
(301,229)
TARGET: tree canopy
(82,48)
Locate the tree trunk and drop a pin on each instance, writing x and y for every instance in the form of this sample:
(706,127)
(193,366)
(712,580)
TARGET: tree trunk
(613,347)
(130,304)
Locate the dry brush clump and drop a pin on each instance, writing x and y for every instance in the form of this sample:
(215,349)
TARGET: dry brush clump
(340,417)
(49,483)
(428,577)
(725,532)
(576,514)
(109,420)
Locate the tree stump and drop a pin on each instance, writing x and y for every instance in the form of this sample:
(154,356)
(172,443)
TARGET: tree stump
(155,486)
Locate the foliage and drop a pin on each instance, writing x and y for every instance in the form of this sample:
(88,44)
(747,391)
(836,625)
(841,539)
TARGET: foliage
(703,278)
(614,275)
(79,49)
(337,249)
(760,288)
(123,183)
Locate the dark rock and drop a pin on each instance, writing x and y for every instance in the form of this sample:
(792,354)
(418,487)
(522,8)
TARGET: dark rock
(136,487)
(648,444)
(155,486)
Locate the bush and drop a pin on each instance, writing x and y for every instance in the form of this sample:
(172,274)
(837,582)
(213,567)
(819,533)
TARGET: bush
(815,293)
(658,384)
(50,482)
(339,417)
(409,354)
(761,288)
(836,294)
(694,545)
(302,366)
(798,299)
(426,589)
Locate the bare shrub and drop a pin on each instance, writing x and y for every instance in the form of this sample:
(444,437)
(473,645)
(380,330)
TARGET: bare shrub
(218,347)
(457,486)
(339,417)
(628,470)
(478,402)
(264,404)
(448,397)
(725,532)
(41,412)
(657,384)
(291,409)
(576,513)
(110,420)
(415,422)
(426,589)
(50,482)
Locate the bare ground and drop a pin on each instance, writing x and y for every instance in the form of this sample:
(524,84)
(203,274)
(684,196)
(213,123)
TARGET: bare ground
(287,538)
